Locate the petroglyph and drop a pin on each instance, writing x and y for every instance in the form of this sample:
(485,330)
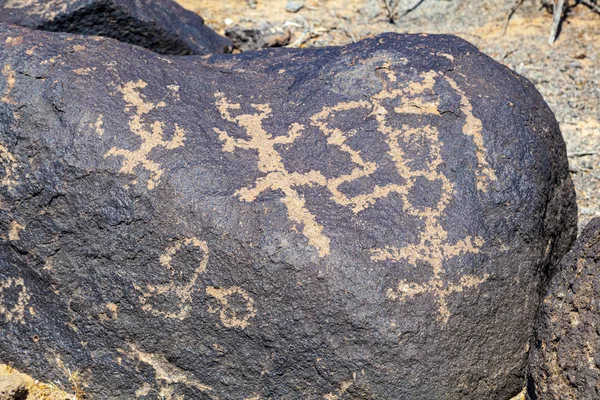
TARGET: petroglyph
(433,247)
(231,317)
(342,388)
(270,163)
(473,127)
(14,312)
(182,292)
(9,164)
(10,77)
(14,232)
(165,371)
(151,134)
(416,97)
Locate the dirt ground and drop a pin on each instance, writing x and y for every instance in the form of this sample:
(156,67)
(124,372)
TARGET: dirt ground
(567,73)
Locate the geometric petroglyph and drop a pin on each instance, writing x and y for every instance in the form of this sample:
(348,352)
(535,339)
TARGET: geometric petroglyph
(16,311)
(182,292)
(270,163)
(232,316)
(417,98)
(235,306)
(151,134)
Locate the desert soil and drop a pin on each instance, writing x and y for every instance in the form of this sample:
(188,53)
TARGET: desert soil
(567,73)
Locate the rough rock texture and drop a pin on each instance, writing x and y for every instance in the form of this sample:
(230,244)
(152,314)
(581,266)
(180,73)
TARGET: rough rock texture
(366,222)
(260,37)
(565,358)
(159,25)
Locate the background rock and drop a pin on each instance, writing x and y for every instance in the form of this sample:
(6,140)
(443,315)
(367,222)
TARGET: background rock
(159,25)
(263,36)
(566,351)
(373,221)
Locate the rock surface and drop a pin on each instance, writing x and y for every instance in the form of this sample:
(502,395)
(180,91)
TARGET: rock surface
(372,221)
(565,358)
(159,25)
(260,37)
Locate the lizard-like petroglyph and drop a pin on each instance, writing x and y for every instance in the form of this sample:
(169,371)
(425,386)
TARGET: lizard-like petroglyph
(271,164)
(14,312)
(151,134)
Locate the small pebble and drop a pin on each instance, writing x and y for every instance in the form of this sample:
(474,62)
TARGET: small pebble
(294,6)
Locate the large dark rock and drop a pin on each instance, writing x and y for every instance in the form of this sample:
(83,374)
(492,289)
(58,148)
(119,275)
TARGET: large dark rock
(372,221)
(565,358)
(159,25)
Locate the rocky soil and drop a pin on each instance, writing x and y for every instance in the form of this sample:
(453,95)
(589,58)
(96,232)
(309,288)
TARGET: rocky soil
(565,73)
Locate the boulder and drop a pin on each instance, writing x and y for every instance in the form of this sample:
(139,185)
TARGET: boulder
(162,26)
(565,357)
(374,221)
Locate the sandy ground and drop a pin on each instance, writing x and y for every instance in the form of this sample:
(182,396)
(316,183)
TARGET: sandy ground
(567,74)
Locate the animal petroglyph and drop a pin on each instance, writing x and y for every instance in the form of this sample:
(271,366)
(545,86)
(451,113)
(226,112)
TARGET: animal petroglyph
(270,163)
(230,316)
(13,312)
(151,134)
(416,97)
(180,291)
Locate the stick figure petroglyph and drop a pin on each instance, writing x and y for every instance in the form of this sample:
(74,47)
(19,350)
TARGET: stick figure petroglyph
(270,163)
(151,134)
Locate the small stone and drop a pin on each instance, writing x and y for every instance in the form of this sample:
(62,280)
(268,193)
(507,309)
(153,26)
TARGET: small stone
(293,6)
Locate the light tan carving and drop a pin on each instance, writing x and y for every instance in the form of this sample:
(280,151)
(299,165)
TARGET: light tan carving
(416,97)
(9,163)
(473,127)
(166,372)
(14,231)
(14,313)
(270,163)
(181,291)
(433,247)
(151,134)
(228,315)
(10,77)
(342,388)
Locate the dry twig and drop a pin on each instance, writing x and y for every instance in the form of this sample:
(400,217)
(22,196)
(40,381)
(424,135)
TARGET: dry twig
(556,18)
(513,9)
(391,6)
(591,5)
